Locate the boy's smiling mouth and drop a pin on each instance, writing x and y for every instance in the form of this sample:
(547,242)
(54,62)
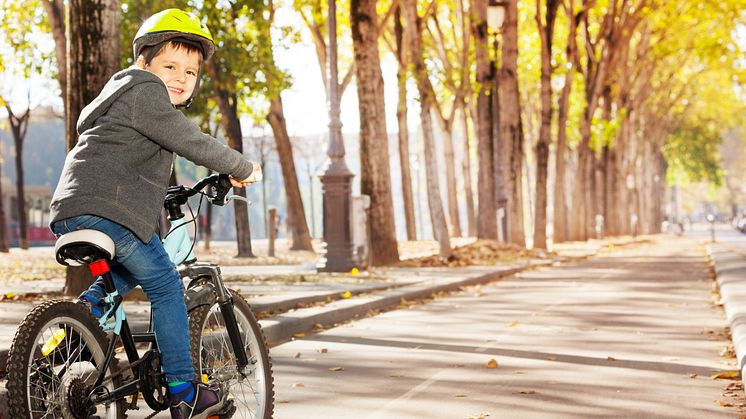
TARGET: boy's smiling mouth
(175,90)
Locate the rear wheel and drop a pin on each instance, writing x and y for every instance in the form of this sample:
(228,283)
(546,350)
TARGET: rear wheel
(252,392)
(53,364)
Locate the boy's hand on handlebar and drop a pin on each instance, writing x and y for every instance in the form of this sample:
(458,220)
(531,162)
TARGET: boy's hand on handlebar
(255,176)
(237,183)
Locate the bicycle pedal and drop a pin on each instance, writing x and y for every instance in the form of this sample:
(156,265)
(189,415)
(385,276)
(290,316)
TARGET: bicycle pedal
(227,411)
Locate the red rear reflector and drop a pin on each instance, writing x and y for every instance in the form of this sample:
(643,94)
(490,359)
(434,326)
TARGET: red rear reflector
(99,267)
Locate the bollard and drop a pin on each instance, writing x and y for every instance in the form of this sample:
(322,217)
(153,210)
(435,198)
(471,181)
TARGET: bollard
(271,227)
(711,220)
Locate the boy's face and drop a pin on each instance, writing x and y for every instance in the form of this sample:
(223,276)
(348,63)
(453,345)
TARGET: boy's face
(178,68)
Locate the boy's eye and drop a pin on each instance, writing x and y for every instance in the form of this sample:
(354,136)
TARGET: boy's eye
(170,67)
(192,73)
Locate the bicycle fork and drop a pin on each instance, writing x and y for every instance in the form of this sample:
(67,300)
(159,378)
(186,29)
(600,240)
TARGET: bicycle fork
(225,302)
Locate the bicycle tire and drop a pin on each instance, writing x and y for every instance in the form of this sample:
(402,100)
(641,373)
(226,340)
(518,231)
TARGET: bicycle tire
(27,362)
(210,343)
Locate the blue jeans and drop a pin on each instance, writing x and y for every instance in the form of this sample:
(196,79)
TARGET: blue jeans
(147,265)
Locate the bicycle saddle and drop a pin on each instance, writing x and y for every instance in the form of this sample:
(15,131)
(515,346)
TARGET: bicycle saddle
(83,247)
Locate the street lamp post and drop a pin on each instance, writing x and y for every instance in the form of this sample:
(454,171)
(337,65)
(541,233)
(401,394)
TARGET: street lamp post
(337,179)
(495,19)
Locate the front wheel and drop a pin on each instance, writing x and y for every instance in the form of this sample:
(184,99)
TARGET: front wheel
(53,363)
(252,392)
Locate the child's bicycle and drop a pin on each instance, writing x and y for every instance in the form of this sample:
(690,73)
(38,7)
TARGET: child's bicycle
(62,362)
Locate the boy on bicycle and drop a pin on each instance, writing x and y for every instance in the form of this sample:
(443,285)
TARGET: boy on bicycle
(115,181)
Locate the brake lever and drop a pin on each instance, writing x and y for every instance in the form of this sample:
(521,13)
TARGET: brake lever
(238,197)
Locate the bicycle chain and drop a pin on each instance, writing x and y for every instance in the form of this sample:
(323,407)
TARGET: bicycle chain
(152,415)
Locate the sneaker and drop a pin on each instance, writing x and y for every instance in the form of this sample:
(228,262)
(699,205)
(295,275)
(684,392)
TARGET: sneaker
(95,306)
(207,400)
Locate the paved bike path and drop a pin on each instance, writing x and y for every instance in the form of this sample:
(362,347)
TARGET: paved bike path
(632,334)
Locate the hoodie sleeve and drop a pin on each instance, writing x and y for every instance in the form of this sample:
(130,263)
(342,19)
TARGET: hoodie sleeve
(155,117)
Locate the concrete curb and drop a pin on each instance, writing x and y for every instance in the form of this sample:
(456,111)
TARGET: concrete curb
(730,273)
(281,328)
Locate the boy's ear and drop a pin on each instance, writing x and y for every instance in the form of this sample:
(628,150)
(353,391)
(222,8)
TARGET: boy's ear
(140,62)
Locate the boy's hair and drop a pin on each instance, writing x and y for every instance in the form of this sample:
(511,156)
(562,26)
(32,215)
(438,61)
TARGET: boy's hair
(151,51)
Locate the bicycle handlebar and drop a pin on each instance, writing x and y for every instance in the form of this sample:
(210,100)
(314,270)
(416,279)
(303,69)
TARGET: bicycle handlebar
(176,196)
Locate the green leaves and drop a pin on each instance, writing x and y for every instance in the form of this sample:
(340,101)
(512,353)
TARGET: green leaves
(24,30)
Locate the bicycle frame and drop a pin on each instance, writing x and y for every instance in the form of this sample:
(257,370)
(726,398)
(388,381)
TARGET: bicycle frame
(179,246)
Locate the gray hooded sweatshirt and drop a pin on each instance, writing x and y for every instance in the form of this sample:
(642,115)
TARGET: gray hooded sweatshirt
(121,165)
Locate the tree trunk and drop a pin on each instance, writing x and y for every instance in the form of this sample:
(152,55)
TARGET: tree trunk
(561,221)
(624,171)
(546,33)
(401,117)
(18,126)
(228,105)
(3,221)
(510,122)
(580,197)
(207,231)
(450,166)
(501,150)
(375,176)
(92,57)
(409,9)
(55,11)
(471,216)
(296,215)
(487,215)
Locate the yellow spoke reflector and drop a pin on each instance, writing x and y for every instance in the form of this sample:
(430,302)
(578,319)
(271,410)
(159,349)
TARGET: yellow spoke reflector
(52,343)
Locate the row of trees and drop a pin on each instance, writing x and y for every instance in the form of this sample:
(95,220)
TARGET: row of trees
(641,89)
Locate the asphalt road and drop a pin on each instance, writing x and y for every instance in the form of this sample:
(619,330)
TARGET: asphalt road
(632,333)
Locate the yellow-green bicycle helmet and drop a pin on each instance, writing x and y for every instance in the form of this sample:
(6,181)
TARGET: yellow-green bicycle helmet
(173,23)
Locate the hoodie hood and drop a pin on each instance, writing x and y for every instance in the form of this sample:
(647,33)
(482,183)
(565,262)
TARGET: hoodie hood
(120,83)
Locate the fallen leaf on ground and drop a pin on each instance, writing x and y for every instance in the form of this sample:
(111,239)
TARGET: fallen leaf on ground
(732,375)
(514,324)
(693,375)
(298,385)
(726,404)
(481,252)
(479,416)
(323,350)
(299,335)
(297,355)
(346,294)
(611,358)
(492,363)
(728,352)
(737,385)
(527,392)
(336,369)
(459,395)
